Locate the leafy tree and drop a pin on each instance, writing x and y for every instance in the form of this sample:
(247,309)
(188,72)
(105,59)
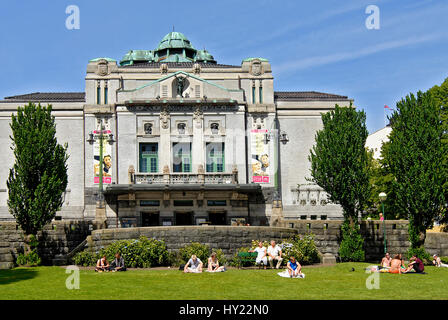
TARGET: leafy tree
(39,175)
(339,164)
(414,157)
(351,248)
(339,160)
(440,95)
(381,181)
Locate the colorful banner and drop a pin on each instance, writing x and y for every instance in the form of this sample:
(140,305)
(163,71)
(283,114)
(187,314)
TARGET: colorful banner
(259,156)
(107,158)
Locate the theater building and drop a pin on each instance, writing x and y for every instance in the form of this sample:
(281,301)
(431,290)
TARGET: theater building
(172,137)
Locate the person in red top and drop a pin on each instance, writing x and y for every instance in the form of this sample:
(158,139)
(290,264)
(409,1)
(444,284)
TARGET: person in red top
(416,264)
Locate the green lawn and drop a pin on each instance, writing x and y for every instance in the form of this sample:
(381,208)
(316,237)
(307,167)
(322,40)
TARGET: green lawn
(334,282)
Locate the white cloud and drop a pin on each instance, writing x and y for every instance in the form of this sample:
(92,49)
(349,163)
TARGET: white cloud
(351,55)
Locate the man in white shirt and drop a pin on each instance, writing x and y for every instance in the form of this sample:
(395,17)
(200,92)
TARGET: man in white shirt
(261,257)
(274,253)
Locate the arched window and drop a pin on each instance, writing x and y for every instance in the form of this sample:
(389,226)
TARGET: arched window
(214,127)
(148,128)
(181,128)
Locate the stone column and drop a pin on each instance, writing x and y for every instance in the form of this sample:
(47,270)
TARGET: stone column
(165,140)
(197,149)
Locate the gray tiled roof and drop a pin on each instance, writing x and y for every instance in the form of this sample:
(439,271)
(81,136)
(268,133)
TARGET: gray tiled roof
(178,65)
(306,96)
(48,96)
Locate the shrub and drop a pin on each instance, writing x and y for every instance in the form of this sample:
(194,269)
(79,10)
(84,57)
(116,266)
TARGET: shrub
(31,259)
(303,249)
(351,247)
(421,253)
(85,258)
(141,253)
(202,251)
(444,260)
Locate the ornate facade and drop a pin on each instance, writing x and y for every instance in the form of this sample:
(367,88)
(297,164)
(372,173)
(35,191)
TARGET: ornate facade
(171,137)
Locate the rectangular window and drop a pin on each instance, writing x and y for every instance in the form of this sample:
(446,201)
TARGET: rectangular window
(253,95)
(197,91)
(181,157)
(164,91)
(98,94)
(149,203)
(148,157)
(214,203)
(215,157)
(183,203)
(260,98)
(105,95)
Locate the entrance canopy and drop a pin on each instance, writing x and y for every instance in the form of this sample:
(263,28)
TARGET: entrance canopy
(117,189)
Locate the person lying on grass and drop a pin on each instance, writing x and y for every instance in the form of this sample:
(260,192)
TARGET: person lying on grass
(213,264)
(416,264)
(438,262)
(118,263)
(194,265)
(294,267)
(102,264)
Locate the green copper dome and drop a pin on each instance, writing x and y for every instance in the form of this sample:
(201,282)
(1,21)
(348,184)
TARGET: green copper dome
(174,47)
(174,40)
(204,56)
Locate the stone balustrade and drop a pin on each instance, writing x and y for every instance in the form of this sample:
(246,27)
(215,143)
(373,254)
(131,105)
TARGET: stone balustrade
(181,178)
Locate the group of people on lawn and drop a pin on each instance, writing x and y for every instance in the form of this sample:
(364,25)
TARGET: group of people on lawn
(397,265)
(271,254)
(102,265)
(274,253)
(195,265)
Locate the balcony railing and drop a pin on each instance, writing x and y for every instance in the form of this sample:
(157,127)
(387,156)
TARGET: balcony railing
(184,178)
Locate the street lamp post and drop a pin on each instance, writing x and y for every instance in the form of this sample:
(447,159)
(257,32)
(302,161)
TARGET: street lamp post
(383,197)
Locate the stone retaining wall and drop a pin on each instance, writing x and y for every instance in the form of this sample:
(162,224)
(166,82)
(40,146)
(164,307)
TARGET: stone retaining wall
(227,238)
(56,241)
(328,236)
(61,237)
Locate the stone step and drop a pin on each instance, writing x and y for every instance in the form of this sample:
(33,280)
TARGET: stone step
(6,265)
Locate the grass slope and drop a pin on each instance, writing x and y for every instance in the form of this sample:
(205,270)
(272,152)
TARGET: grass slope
(334,282)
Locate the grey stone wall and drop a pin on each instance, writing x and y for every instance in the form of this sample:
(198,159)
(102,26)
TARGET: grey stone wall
(328,236)
(61,237)
(56,241)
(227,238)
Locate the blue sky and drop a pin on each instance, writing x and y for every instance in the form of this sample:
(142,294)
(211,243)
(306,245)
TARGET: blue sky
(320,45)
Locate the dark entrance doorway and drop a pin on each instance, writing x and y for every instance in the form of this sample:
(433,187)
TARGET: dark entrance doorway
(184,218)
(217,218)
(150,219)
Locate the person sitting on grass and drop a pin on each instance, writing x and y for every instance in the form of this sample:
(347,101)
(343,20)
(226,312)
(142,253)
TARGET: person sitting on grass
(102,264)
(261,257)
(213,264)
(395,264)
(294,267)
(415,264)
(194,265)
(385,262)
(438,262)
(118,263)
